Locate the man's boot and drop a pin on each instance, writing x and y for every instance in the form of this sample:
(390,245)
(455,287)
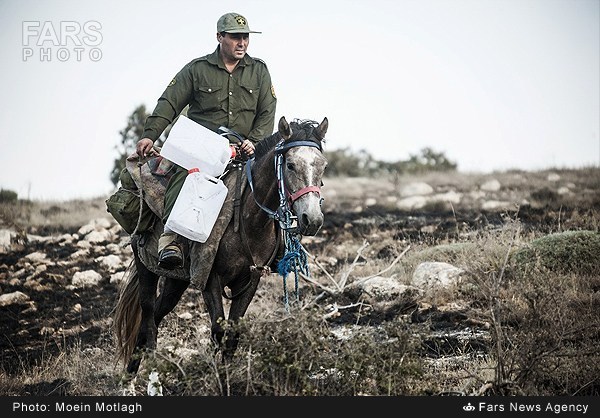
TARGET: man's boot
(170,253)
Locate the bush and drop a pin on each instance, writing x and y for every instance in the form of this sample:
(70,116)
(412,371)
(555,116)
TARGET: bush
(566,252)
(343,162)
(8,196)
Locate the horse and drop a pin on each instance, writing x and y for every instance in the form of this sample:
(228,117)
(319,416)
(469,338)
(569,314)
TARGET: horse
(284,177)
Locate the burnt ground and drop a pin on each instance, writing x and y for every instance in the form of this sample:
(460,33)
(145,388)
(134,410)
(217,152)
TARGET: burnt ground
(31,333)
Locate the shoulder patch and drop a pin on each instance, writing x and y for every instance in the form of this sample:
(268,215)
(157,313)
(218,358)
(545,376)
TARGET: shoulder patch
(172,83)
(273,91)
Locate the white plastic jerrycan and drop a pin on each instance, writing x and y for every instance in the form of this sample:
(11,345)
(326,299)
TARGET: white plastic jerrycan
(191,145)
(197,207)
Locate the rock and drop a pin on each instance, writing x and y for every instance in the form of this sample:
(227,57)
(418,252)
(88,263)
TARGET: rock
(450,197)
(416,189)
(37,257)
(491,186)
(370,201)
(563,190)
(111,262)
(185,315)
(5,240)
(429,275)
(497,205)
(96,237)
(413,202)
(14,298)
(383,288)
(85,229)
(88,278)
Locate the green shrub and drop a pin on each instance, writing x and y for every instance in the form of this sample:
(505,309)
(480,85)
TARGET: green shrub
(8,196)
(565,252)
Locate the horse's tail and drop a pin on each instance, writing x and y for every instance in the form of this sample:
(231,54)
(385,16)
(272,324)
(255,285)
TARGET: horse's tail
(128,316)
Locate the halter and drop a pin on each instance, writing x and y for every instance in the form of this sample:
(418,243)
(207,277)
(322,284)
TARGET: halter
(283,214)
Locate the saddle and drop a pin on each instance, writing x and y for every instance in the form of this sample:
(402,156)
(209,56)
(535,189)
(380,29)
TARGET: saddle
(151,177)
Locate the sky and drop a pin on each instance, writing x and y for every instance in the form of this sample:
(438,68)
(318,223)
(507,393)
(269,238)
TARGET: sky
(493,84)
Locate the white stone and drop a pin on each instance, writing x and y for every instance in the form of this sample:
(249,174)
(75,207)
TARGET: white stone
(416,189)
(88,278)
(5,240)
(383,288)
(450,197)
(412,202)
(14,298)
(491,186)
(435,274)
(36,257)
(370,201)
(497,205)
(111,261)
(96,237)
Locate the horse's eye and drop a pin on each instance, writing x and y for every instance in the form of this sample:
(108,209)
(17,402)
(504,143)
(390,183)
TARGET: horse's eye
(291,166)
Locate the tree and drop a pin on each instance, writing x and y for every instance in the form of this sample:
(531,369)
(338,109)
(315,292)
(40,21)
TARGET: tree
(130,135)
(429,160)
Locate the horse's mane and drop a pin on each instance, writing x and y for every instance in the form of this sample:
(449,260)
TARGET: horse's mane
(302,130)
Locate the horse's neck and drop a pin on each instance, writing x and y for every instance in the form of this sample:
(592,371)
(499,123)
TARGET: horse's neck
(264,181)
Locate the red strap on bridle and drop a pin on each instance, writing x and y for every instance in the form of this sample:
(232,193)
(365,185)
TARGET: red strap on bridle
(295,196)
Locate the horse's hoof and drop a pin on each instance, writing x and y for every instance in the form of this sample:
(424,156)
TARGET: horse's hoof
(170,258)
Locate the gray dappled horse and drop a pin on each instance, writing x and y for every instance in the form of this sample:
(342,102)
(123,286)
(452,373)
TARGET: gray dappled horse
(284,176)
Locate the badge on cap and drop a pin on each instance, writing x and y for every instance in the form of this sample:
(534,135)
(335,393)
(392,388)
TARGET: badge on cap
(240,20)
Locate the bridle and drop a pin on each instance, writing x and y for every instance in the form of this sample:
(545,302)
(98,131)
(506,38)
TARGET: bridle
(284,214)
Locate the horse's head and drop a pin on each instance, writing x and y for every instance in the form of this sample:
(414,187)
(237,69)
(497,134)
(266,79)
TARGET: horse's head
(303,168)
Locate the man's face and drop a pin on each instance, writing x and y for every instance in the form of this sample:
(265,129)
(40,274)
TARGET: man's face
(234,45)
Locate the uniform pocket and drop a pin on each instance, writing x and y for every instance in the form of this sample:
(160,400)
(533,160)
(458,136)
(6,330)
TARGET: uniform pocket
(248,97)
(208,97)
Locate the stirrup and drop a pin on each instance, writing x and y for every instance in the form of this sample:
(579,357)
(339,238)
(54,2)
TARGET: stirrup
(171,257)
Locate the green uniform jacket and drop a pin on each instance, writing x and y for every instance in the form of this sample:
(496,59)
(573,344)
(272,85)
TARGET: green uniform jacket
(243,100)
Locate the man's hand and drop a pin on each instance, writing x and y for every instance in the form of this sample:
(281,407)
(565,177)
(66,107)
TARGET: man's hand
(144,148)
(247,148)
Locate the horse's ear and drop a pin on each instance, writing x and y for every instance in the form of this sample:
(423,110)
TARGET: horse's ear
(284,128)
(322,128)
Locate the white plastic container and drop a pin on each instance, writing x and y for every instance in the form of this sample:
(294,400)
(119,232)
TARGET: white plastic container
(191,145)
(197,207)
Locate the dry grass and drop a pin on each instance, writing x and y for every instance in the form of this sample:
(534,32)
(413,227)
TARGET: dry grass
(51,215)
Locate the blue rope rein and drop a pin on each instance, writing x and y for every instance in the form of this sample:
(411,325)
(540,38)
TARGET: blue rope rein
(294,260)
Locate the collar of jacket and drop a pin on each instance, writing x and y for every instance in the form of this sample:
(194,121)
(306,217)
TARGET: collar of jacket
(215,59)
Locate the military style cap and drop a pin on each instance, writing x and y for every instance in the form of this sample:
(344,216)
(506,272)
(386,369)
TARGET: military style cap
(233,23)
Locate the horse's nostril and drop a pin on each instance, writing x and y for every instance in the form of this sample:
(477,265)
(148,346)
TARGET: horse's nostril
(305,220)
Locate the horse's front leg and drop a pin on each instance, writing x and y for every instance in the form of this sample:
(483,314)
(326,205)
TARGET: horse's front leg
(214,305)
(244,293)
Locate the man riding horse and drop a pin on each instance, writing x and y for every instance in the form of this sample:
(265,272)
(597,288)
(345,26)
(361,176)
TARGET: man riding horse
(225,88)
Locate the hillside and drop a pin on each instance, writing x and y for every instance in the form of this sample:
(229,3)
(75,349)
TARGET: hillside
(450,263)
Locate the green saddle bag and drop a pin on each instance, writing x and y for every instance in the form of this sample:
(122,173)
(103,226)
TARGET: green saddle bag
(124,206)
